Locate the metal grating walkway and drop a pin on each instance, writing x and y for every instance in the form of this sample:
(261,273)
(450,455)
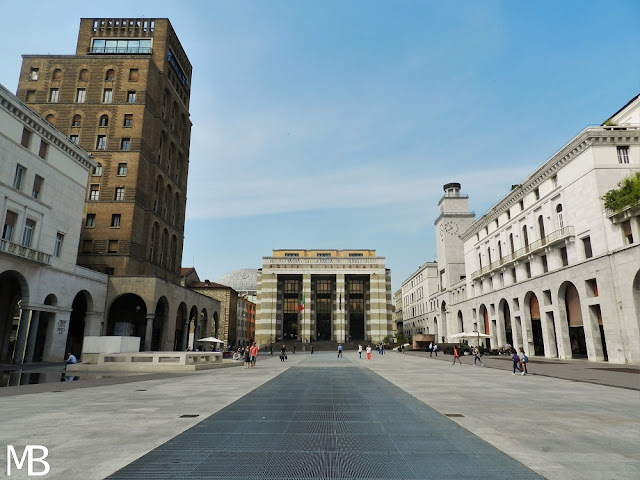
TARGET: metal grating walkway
(332,423)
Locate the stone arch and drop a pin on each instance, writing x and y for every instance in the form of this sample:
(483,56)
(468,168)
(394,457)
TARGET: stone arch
(435,328)
(194,327)
(153,242)
(51,118)
(533,323)
(205,330)
(460,321)
(103,121)
(82,303)
(181,329)
(83,75)
(41,334)
(56,76)
(14,292)
(571,313)
(159,324)
(127,316)
(484,325)
(110,75)
(505,325)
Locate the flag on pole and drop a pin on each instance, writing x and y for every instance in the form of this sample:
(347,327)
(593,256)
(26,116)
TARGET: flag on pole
(301,307)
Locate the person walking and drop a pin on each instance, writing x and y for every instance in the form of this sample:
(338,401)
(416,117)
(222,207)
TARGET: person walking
(516,360)
(283,353)
(368,352)
(435,349)
(476,356)
(523,361)
(311,349)
(382,349)
(456,356)
(294,349)
(339,351)
(431,349)
(360,351)
(253,354)
(247,357)
(271,349)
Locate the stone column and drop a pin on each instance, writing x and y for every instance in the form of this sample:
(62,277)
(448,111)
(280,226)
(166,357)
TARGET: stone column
(149,331)
(33,335)
(376,327)
(266,321)
(21,338)
(185,333)
(339,313)
(305,317)
(57,331)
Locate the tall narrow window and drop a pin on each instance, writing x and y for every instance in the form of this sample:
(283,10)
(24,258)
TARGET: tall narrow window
(94,192)
(98,170)
(110,76)
(33,75)
(536,193)
(91,220)
(545,264)
(57,249)
(9,225)
(128,120)
(122,169)
(104,121)
(75,139)
(77,121)
(26,138)
(525,236)
(83,76)
(81,95)
(115,220)
(44,148)
(560,216)
(18,178)
(107,95)
(586,243)
(131,96)
(125,144)
(53,95)
(564,257)
(623,154)
(27,234)
(626,230)
(119,194)
(101,142)
(37,186)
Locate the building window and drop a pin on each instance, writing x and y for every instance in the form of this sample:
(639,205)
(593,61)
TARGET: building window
(53,95)
(75,139)
(57,75)
(97,171)
(83,76)
(586,243)
(81,95)
(128,120)
(536,193)
(34,73)
(104,121)
(521,203)
(125,144)
(110,76)
(133,74)
(122,169)
(560,216)
(26,138)
(545,265)
(9,225)
(121,46)
(119,195)
(44,147)
(513,275)
(592,287)
(77,121)
(623,154)
(27,234)
(19,177)
(626,230)
(112,246)
(91,220)
(131,96)
(37,186)
(115,220)
(86,246)
(101,142)
(564,256)
(94,192)
(355,255)
(527,267)
(107,95)
(57,249)
(323,254)
(109,270)
(291,255)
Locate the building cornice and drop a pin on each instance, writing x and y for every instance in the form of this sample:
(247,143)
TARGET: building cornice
(589,137)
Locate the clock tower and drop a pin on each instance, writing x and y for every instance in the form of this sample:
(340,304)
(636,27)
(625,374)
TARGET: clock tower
(453,220)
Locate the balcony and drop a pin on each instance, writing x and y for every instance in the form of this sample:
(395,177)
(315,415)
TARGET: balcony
(551,239)
(24,252)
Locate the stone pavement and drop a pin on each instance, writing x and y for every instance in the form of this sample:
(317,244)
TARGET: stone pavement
(558,428)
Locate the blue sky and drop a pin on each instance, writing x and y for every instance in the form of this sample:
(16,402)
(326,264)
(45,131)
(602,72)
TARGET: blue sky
(334,124)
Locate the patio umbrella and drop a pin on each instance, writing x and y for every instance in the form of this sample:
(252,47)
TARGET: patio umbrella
(469,336)
(210,340)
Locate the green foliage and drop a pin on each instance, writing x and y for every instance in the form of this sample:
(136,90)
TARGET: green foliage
(609,123)
(626,196)
(400,338)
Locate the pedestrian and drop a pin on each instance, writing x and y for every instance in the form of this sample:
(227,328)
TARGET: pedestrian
(71,359)
(339,351)
(402,348)
(435,349)
(368,352)
(247,357)
(294,349)
(476,356)
(311,349)
(431,349)
(516,360)
(523,361)
(283,353)
(456,356)
(382,349)
(253,351)
(271,349)
(360,350)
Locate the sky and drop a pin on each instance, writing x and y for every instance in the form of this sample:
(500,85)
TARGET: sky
(335,124)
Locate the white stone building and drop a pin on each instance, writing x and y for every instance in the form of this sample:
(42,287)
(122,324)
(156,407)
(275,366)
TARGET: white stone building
(47,302)
(416,290)
(547,267)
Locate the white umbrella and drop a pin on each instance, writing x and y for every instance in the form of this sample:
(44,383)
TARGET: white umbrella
(210,340)
(469,336)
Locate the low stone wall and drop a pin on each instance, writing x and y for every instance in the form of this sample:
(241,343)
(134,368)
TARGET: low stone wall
(151,362)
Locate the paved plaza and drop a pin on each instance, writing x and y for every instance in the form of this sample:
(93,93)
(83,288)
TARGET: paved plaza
(396,416)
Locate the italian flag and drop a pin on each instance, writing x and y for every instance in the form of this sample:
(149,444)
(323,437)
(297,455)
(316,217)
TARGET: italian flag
(301,307)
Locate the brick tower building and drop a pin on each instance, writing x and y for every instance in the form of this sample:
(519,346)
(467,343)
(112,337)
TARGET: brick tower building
(123,97)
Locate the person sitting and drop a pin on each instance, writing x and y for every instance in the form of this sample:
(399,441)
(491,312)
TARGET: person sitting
(71,359)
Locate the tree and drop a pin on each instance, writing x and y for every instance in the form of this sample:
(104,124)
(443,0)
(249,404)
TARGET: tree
(628,195)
